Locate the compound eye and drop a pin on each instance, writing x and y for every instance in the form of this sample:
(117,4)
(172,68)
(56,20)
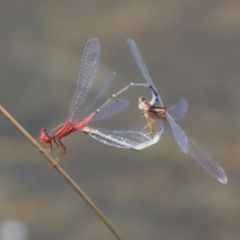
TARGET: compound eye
(44,136)
(143,99)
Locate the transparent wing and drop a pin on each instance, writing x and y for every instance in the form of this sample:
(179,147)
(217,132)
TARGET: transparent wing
(142,66)
(178,110)
(210,165)
(86,76)
(130,139)
(120,138)
(111,109)
(179,134)
(96,97)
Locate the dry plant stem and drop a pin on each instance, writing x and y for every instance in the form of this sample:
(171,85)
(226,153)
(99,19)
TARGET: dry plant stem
(61,172)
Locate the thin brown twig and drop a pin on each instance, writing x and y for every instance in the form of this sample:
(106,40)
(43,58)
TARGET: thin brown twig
(61,172)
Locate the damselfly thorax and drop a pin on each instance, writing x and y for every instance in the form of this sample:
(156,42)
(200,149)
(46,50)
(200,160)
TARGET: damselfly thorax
(151,112)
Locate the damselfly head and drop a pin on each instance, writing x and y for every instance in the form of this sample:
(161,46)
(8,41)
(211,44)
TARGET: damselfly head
(44,136)
(143,103)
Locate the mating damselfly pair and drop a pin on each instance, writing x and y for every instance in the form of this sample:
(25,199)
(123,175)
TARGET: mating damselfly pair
(152,110)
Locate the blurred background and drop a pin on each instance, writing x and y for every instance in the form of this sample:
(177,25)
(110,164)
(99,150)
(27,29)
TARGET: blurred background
(192,50)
